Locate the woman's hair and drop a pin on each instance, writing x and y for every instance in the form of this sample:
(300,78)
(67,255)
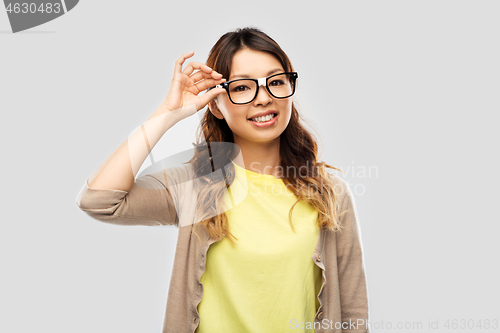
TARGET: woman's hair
(298,150)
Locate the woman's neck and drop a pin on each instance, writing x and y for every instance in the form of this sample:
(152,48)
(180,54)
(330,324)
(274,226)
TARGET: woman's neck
(260,157)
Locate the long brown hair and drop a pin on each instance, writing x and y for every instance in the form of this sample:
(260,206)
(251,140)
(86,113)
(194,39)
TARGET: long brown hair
(298,149)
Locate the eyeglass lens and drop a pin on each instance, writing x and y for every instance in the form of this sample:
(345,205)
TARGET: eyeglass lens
(243,91)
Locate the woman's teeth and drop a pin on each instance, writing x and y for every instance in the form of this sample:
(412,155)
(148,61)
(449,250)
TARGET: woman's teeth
(264,119)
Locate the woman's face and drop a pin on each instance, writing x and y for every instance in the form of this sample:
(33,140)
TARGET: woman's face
(253,64)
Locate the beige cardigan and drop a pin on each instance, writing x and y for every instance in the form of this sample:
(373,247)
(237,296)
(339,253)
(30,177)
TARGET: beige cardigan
(162,198)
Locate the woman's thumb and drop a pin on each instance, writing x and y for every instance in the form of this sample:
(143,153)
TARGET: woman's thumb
(210,95)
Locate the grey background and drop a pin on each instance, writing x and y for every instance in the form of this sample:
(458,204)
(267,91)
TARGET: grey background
(407,87)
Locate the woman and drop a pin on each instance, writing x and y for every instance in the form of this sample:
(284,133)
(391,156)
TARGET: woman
(258,250)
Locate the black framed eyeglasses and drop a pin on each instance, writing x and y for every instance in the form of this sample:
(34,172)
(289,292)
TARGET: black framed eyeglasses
(243,91)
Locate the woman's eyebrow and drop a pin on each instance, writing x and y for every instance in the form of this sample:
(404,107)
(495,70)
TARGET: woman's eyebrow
(244,76)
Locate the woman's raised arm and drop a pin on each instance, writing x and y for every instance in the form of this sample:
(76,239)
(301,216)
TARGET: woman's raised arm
(112,194)
(119,170)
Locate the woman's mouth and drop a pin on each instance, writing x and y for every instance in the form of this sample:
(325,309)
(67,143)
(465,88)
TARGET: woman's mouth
(265,121)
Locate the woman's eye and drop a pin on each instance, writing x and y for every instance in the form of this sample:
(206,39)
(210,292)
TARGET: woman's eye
(240,88)
(276,83)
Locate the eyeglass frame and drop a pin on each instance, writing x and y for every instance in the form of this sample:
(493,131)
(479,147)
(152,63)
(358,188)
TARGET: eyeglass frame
(260,82)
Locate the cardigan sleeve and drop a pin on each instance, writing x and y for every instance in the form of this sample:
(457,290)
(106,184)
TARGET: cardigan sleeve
(351,269)
(149,202)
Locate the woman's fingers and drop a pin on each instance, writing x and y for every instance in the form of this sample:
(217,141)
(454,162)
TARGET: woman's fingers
(202,79)
(196,65)
(180,61)
(205,84)
(210,95)
(198,76)
(203,73)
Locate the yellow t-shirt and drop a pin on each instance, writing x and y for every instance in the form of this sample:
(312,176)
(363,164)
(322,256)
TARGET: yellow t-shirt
(268,281)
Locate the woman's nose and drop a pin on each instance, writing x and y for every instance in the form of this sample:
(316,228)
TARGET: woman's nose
(263,96)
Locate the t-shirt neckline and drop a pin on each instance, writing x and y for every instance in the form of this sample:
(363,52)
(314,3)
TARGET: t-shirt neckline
(255,176)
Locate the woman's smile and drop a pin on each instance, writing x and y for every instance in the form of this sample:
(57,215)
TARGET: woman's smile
(266,121)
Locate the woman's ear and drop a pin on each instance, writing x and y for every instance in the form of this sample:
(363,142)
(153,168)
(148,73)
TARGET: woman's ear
(215,109)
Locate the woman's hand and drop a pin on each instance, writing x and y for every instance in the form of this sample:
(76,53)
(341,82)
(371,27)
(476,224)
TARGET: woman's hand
(186,85)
